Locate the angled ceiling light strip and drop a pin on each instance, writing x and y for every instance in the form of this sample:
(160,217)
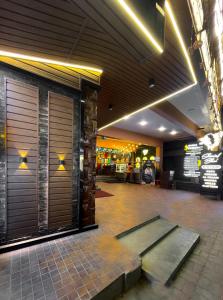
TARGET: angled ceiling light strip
(150,105)
(181,41)
(140,25)
(180,38)
(48,61)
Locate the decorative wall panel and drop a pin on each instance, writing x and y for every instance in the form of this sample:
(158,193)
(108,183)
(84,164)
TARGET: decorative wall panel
(60,161)
(22,159)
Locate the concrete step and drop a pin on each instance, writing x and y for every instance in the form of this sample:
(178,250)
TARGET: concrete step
(163,261)
(143,237)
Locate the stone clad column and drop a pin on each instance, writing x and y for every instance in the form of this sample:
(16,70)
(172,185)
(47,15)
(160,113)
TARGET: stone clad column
(89,131)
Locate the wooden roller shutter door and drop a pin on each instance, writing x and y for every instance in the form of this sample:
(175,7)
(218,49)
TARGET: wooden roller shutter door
(22,141)
(60,148)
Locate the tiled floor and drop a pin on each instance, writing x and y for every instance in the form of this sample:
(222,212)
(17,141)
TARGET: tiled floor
(77,267)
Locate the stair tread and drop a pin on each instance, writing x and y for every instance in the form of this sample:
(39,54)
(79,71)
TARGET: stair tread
(144,237)
(162,261)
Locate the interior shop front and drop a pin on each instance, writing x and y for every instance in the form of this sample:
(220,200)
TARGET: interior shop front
(126,161)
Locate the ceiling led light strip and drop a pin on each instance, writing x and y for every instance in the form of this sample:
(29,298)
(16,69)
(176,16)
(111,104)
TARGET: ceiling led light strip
(48,61)
(180,38)
(140,25)
(150,105)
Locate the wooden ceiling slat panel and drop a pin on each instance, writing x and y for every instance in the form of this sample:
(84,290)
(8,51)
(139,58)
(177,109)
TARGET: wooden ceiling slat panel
(50,10)
(40,72)
(152,69)
(120,72)
(65,6)
(89,34)
(34,29)
(84,74)
(29,20)
(9,45)
(107,58)
(31,42)
(50,28)
(33,16)
(124,65)
(102,11)
(91,12)
(17,32)
(44,15)
(128,87)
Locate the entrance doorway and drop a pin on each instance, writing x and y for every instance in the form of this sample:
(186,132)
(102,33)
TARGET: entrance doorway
(126,161)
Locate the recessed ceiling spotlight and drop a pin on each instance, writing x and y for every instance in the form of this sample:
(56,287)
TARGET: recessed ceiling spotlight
(162,128)
(173,132)
(151,83)
(110,107)
(143,123)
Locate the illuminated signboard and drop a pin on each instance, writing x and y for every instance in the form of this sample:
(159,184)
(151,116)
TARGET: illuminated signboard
(211,168)
(192,160)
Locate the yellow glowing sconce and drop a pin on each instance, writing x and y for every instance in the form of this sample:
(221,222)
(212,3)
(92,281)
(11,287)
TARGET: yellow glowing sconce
(61,163)
(23,159)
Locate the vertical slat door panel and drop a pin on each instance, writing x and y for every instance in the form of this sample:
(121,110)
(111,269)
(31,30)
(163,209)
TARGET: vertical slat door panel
(22,141)
(60,148)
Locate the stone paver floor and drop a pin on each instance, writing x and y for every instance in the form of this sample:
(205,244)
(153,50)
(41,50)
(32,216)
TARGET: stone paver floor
(78,266)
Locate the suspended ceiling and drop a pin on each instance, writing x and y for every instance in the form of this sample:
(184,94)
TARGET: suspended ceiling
(90,32)
(154,122)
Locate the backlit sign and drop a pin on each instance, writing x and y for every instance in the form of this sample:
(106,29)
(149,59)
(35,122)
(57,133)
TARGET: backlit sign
(211,168)
(192,160)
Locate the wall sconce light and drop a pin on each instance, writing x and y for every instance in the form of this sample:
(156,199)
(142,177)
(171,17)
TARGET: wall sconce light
(62,162)
(23,160)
